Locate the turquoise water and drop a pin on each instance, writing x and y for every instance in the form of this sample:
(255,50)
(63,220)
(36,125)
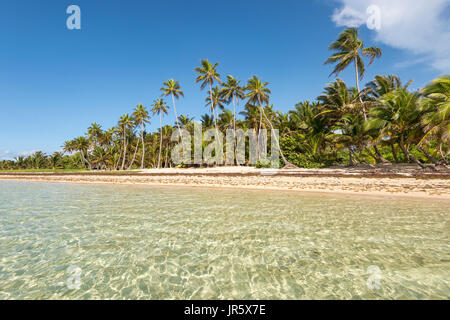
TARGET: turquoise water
(74,241)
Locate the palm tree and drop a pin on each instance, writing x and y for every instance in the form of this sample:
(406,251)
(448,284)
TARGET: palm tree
(55,160)
(160,107)
(167,132)
(259,93)
(207,121)
(216,102)
(173,88)
(382,85)
(252,114)
(376,89)
(226,119)
(341,107)
(38,159)
(99,157)
(398,115)
(185,120)
(313,127)
(350,131)
(337,99)
(81,144)
(125,122)
(437,113)
(349,49)
(141,117)
(94,133)
(282,122)
(207,75)
(231,91)
(20,162)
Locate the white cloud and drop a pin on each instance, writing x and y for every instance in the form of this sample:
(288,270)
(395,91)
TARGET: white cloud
(5,155)
(418,26)
(9,155)
(25,153)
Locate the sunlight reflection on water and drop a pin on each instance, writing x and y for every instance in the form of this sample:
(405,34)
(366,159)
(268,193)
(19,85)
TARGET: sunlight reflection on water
(141,242)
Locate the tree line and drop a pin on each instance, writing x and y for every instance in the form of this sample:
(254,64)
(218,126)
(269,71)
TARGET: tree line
(383,122)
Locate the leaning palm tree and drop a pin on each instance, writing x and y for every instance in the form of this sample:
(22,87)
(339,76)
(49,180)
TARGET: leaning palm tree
(376,89)
(125,122)
(349,49)
(173,88)
(259,93)
(141,117)
(398,117)
(160,108)
(207,75)
(81,144)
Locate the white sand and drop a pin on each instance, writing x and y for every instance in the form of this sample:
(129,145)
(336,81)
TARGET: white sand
(352,180)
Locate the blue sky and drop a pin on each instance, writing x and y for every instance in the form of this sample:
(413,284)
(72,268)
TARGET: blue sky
(54,82)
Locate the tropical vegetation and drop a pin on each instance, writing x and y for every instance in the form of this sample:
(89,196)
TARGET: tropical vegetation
(383,122)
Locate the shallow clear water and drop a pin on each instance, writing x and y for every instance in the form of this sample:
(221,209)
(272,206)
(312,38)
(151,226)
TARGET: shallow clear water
(61,241)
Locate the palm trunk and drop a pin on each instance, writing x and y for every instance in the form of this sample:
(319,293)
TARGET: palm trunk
(167,153)
(234,130)
(377,160)
(234,114)
(88,160)
(357,88)
(143,147)
(356,156)
(258,150)
(214,115)
(124,150)
(378,153)
(176,116)
(213,107)
(394,153)
(116,163)
(286,163)
(433,160)
(160,140)
(134,157)
(84,159)
(363,160)
(442,153)
(350,158)
(406,152)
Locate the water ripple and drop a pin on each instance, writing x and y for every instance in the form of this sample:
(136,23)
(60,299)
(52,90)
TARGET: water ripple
(138,242)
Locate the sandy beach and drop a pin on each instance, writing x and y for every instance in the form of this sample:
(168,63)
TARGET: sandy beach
(406,181)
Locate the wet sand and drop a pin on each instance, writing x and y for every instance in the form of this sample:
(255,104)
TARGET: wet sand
(406,181)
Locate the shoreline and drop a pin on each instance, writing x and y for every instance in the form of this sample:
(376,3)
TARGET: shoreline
(337,181)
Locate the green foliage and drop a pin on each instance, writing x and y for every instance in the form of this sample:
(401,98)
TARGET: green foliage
(296,153)
(383,122)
